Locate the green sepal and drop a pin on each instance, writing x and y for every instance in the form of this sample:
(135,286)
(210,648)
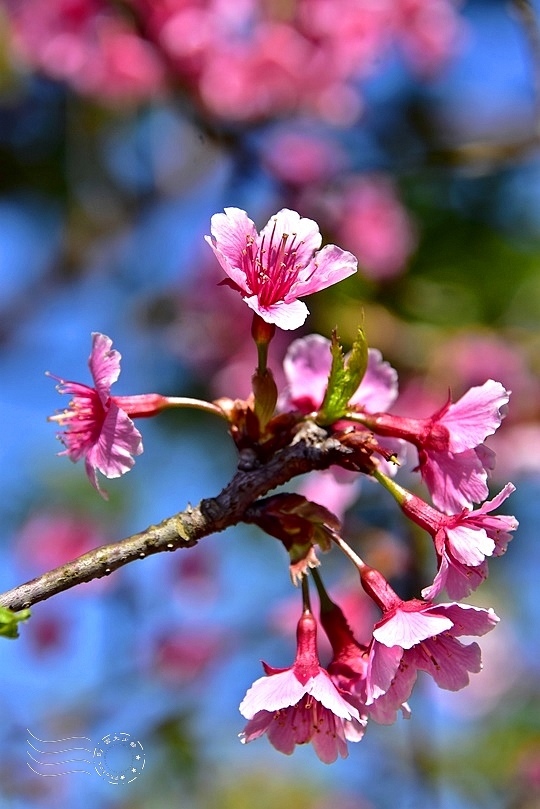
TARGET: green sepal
(265,395)
(346,373)
(9,621)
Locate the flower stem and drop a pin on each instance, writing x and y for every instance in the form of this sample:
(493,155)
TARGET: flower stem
(348,551)
(357,416)
(398,492)
(326,602)
(196,404)
(150,404)
(305,594)
(262,332)
(262,357)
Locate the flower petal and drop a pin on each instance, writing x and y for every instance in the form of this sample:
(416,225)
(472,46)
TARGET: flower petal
(324,691)
(382,667)
(307,366)
(327,267)
(119,440)
(457,579)
(286,316)
(455,481)
(328,739)
(231,231)
(475,416)
(256,726)
(272,693)
(447,660)
(469,544)
(104,363)
(378,389)
(406,629)
(290,727)
(468,620)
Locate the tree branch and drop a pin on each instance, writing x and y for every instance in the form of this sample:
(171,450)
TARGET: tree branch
(311,449)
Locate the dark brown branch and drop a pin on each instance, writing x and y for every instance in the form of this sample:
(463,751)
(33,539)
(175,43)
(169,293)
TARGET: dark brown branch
(311,449)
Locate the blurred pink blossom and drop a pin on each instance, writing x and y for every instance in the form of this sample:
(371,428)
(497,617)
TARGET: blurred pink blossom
(469,358)
(49,539)
(48,634)
(307,367)
(88,44)
(456,361)
(372,223)
(336,489)
(244,61)
(182,656)
(300,157)
(195,576)
(518,450)
(429,32)
(211,338)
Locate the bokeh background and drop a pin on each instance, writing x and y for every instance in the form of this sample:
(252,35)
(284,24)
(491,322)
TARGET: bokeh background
(409,130)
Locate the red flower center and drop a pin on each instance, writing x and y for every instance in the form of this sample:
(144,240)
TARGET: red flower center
(271,268)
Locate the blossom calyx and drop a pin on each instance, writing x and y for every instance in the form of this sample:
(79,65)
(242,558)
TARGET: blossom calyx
(299,524)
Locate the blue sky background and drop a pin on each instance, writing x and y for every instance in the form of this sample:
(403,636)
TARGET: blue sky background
(99,677)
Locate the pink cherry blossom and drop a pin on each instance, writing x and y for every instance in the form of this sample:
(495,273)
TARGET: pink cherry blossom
(453,460)
(97,429)
(301,704)
(456,470)
(417,635)
(273,269)
(350,667)
(307,366)
(463,541)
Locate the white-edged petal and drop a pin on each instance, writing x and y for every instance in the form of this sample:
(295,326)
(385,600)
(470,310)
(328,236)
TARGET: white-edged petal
(270,693)
(406,629)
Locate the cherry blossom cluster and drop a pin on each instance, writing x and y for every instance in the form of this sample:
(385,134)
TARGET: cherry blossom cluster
(243,61)
(351,400)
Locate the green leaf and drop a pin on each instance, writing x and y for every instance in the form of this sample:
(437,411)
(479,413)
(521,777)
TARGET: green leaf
(9,621)
(346,373)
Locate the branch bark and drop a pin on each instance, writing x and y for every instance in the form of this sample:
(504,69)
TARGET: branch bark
(311,449)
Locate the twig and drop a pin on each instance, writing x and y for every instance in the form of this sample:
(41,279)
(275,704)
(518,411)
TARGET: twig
(310,450)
